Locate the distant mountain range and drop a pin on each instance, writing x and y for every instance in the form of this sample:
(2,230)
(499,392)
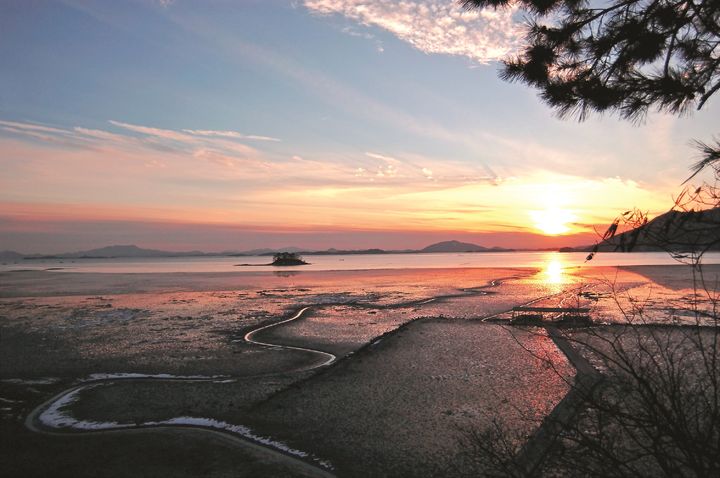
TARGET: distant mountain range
(131,251)
(10,256)
(102,253)
(673,230)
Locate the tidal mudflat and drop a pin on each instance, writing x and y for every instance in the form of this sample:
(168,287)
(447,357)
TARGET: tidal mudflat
(351,373)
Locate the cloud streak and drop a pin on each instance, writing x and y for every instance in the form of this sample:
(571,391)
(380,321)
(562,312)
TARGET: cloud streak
(149,131)
(158,148)
(149,173)
(229,134)
(434,26)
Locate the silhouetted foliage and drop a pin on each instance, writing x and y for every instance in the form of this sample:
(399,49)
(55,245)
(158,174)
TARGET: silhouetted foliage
(709,156)
(687,232)
(654,412)
(626,56)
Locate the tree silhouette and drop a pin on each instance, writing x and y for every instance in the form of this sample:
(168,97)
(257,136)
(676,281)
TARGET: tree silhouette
(287,259)
(623,56)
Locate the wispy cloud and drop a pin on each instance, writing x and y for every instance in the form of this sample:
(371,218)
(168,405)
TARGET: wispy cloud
(229,134)
(100,134)
(381,157)
(218,179)
(150,131)
(186,136)
(434,26)
(49,134)
(29,127)
(353,32)
(218,148)
(420,169)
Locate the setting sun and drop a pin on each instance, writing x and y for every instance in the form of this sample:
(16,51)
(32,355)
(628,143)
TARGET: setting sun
(552,221)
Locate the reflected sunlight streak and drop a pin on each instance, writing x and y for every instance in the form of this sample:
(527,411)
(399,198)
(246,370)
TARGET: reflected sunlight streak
(554,270)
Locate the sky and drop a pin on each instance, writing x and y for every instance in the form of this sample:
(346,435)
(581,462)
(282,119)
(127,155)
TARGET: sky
(232,125)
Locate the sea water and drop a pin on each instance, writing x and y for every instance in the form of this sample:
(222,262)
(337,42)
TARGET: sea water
(350,262)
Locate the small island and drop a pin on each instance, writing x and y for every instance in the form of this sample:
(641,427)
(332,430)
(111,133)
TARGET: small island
(281,259)
(287,259)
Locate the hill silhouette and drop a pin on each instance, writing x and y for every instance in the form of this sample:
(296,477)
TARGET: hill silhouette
(674,231)
(457,246)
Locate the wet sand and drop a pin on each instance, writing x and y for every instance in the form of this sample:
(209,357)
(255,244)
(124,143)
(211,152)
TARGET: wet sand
(388,408)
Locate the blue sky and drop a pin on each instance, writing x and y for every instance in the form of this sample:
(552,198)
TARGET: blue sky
(275,117)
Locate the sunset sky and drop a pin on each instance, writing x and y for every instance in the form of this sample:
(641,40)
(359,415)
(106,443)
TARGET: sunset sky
(220,125)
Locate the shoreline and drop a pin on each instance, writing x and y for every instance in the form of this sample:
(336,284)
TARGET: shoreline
(61,283)
(41,283)
(355,263)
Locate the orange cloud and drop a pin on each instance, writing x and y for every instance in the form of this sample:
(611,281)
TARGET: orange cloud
(213,178)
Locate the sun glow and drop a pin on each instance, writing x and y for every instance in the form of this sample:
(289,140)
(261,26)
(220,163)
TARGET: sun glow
(552,221)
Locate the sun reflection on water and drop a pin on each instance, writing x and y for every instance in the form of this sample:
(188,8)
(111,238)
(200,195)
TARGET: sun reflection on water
(554,270)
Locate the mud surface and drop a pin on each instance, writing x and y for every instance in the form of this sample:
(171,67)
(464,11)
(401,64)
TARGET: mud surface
(416,363)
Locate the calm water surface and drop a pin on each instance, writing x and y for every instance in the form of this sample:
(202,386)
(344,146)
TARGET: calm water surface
(352,262)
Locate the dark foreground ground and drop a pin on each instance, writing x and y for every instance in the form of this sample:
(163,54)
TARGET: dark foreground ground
(412,374)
